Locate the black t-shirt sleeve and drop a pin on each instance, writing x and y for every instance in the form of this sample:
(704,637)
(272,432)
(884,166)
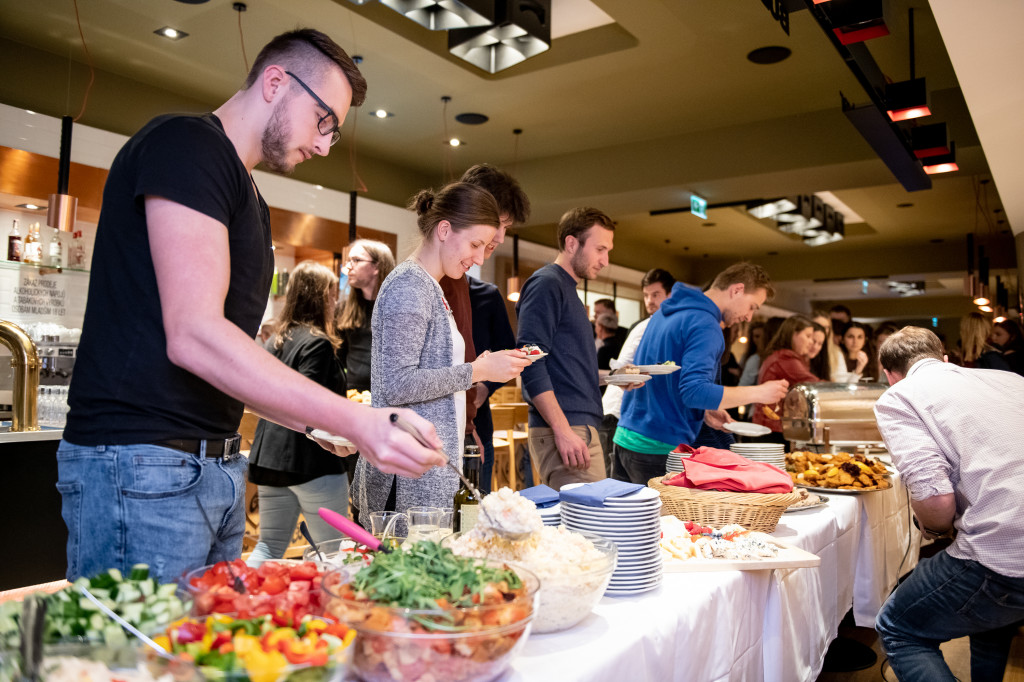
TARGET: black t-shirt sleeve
(188,161)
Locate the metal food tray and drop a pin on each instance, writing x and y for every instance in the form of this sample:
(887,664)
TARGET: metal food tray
(838,414)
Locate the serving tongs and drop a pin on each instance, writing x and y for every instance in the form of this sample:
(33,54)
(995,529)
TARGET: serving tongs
(33,617)
(410,429)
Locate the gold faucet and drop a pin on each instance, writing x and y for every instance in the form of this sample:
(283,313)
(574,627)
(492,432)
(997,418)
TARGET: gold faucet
(25,362)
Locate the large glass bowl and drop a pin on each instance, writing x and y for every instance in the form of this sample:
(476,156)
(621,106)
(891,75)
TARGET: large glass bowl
(393,644)
(82,661)
(204,601)
(567,593)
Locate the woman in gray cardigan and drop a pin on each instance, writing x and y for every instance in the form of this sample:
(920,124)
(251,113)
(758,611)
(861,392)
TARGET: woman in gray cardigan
(415,341)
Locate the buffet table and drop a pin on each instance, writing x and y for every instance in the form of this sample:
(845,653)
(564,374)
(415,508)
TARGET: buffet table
(748,625)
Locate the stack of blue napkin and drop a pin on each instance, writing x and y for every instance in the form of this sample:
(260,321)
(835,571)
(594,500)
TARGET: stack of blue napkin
(594,494)
(541,495)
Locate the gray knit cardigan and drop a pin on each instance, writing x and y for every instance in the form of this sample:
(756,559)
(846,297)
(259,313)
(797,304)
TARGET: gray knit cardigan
(411,366)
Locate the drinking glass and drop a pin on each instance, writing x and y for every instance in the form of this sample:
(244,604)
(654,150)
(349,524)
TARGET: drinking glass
(390,523)
(423,523)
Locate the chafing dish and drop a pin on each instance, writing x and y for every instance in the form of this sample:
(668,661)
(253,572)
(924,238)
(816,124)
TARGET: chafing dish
(832,414)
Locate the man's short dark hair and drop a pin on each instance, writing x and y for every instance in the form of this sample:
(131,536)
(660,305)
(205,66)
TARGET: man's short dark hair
(907,346)
(659,276)
(751,276)
(840,308)
(304,52)
(606,302)
(512,200)
(576,221)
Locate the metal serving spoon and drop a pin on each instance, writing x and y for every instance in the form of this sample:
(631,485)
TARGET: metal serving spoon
(498,528)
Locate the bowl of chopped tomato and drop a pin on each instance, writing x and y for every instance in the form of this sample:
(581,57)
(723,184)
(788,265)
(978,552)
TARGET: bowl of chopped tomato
(224,649)
(283,589)
(423,613)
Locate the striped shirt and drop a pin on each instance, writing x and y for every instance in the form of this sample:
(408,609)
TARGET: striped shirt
(956,430)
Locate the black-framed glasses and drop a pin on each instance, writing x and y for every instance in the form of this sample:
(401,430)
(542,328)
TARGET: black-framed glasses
(352,261)
(331,119)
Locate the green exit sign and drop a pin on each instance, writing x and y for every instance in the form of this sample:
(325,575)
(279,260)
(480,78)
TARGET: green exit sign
(699,206)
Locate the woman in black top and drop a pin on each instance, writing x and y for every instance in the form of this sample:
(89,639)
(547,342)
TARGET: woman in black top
(292,472)
(369,262)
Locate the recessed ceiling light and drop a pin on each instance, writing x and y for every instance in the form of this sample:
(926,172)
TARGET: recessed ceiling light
(30,112)
(710,224)
(193,2)
(381,113)
(773,253)
(773,54)
(456,142)
(471,119)
(171,33)
(319,186)
(937,241)
(904,205)
(31,207)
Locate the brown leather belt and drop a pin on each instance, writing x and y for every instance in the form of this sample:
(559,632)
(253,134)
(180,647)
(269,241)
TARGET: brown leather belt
(223,448)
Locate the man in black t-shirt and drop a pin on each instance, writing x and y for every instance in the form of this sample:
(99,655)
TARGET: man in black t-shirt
(149,470)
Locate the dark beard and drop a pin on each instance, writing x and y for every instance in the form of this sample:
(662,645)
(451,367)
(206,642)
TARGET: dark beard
(275,143)
(579,266)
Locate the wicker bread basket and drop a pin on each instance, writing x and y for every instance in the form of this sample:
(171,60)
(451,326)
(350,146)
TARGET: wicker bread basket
(754,511)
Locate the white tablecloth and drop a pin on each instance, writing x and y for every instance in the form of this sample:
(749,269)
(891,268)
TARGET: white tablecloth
(742,625)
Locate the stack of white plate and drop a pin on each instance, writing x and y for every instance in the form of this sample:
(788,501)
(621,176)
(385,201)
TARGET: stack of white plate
(769,453)
(551,516)
(675,462)
(633,523)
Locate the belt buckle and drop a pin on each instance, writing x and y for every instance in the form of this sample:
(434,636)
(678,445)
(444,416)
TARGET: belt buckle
(232,447)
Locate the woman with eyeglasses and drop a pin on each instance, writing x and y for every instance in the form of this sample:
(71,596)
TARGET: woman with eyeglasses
(369,263)
(417,358)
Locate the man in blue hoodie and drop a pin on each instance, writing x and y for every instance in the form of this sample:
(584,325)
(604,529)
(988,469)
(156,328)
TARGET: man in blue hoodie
(687,330)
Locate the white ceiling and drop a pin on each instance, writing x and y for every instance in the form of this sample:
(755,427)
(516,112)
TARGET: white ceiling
(630,117)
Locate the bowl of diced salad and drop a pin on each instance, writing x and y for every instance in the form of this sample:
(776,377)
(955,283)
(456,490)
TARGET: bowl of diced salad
(424,613)
(285,589)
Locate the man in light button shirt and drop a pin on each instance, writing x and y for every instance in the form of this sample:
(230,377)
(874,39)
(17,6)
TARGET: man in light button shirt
(957,437)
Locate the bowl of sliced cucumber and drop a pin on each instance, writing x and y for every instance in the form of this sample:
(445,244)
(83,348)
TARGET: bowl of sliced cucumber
(72,617)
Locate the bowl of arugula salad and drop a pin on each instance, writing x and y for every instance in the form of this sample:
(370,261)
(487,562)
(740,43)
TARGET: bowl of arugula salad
(425,613)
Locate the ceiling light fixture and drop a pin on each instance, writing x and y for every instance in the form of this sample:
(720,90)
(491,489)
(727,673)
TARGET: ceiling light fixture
(770,209)
(522,29)
(513,281)
(381,113)
(855,21)
(444,15)
(941,163)
(171,33)
(31,207)
(772,54)
(471,119)
(907,99)
(985,308)
(905,289)
(456,142)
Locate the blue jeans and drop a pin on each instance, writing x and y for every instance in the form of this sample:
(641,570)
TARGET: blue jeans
(129,504)
(487,464)
(280,507)
(945,598)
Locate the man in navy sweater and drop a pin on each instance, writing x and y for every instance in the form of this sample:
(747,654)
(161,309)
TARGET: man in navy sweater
(562,388)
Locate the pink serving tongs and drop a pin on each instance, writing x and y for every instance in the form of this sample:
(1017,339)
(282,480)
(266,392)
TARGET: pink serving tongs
(352,529)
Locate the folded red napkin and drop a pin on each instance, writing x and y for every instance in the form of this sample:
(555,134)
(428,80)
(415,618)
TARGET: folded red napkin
(724,470)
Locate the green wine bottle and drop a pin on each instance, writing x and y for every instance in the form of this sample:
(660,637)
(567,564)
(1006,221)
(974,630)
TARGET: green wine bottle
(466,504)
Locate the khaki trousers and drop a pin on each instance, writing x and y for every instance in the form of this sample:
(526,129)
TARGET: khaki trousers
(553,471)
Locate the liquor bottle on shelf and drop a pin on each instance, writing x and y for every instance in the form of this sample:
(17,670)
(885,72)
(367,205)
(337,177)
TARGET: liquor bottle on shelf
(33,251)
(467,506)
(14,245)
(56,251)
(76,256)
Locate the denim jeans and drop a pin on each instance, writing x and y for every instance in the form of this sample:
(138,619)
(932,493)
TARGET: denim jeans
(637,467)
(128,504)
(280,507)
(945,598)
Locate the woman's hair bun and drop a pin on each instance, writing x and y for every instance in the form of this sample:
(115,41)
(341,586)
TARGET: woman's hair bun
(423,201)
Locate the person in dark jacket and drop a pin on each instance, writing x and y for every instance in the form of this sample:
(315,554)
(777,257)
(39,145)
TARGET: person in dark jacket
(292,472)
(368,264)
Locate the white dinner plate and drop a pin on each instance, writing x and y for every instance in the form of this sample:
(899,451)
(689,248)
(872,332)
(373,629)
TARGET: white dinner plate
(625,379)
(655,370)
(618,514)
(746,428)
(320,434)
(536,356)
(793,510)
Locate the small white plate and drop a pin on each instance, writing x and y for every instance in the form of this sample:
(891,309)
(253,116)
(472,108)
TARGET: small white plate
(654,370)
(643,496)
(625,379)
(747,429)
(320,434)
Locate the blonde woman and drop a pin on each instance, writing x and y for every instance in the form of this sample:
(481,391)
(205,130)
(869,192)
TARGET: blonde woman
(368,264)
(975,329)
